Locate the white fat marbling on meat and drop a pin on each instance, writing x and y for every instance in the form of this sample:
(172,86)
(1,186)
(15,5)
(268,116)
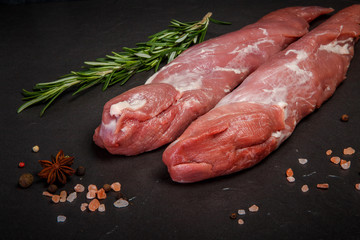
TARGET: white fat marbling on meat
(184,81)
(251,48)
(111,126)
(133,104)
(264,31)
(301,55)
(234,70)
(338,47)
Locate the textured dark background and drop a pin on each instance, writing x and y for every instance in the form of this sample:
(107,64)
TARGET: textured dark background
(42,41)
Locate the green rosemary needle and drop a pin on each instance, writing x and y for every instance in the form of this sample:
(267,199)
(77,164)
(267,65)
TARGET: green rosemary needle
(119,67)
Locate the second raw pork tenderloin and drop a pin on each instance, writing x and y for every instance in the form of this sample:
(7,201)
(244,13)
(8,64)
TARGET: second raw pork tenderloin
(254,119)
(149,116)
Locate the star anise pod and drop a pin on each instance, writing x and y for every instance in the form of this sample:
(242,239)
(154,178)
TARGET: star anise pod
(57,169)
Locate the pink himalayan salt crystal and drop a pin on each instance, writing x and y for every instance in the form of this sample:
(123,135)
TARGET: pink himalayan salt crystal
(120,203)
(101,208)
(79,188)
(83,206)
(116,186)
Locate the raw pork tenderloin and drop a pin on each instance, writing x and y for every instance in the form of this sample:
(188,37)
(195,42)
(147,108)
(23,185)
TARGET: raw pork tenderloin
(253,120)
(149,116)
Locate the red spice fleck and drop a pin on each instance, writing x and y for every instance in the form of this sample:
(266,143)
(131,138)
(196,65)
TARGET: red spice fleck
(21,164)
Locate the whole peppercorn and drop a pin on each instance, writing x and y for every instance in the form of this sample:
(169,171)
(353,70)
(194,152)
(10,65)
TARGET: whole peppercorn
(26,180)
(233,216)
(80,171)
(345,118)
(107,187)
(52,188)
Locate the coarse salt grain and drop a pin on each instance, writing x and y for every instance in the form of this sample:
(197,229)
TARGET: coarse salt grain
(322,185)
(101,208)
(349,151)
(55,198)
(329,152)
(305,188)
(83,206)
(289,172)
(46,193)
(303,160)
(101,194)
(345,164)
(79,188)
(92,187)
(72,196)
(357,186)
(290,179)
(61,218)
(240,221)
(63,196)
(116,186)
(91,194)
(241,212)
(254,208)
(335,160)
(35,148)
(120,203)
(94,205)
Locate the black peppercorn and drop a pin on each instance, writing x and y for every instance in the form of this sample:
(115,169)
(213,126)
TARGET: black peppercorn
(80,171)
(233,216)
(107,187)
(345,118)
(52,188)
(26,180)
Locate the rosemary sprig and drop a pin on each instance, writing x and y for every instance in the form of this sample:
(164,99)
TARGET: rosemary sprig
(119,67)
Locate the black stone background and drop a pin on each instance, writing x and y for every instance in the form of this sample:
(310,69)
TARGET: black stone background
(42,41)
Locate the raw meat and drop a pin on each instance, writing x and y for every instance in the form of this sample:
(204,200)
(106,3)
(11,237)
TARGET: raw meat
(149,116)
(253,120)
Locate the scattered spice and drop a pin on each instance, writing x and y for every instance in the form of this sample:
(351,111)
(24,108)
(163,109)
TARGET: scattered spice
(35,148)
(305,188)
(72,196)
(79,188)
(349,151)
(357,186)
(345,164)
(290,179)
(61,218)
(101,194)
(101,208)
(57,169)
(329,152)
(47,194)
(254,208)
(55,198)
(94,205)
(240,221)
(322,185)
(26,180)
(120,203)
(344,118)
(52,188)
(63,196)
(91,194)
(116,186)
(241,212)
(303,161)
(80,171)
(107,187)
(233,215)
(92,187)
(83,206)
(21,164)
(335,160)
(289,172)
